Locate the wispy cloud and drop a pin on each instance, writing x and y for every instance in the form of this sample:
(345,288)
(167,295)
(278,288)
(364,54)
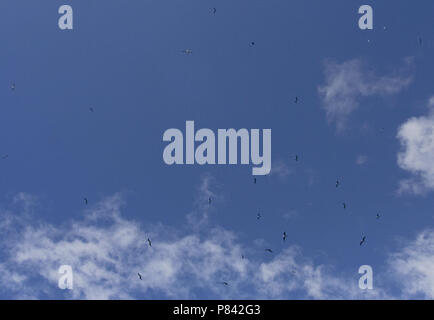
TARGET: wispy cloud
(361,159)
(347,82)
(280,169)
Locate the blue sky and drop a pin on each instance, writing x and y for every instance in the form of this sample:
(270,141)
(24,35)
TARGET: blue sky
(363,117)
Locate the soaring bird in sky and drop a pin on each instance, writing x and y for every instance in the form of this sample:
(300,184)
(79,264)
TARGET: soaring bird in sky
(149,242)
(337,183)
(363,240)
(284,236)
(140,276)
(224,283)
(296,157)
(296,100)
(86,201)
(344,205)
(252,43)
(269,250)
(378,216)
(209,200)
(258,216)
(254,180)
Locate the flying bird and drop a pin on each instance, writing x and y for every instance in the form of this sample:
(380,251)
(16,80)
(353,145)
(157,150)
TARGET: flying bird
(344,205)
(187,51)
(363,240)
(242,257)
(269,250)
(209,200)
(296,100)
(337,183)
(284,236)
(296,157)
(252,43)
(378,216)
(140,276)
(149,242)
(258,216)
(224,283)
(254,180)
(86,201)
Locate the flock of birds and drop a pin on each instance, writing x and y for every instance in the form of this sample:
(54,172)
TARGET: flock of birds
(296,158)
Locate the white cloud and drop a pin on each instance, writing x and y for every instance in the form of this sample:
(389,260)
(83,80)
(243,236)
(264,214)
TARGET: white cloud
(413,267)
(351,80)
(106,251)
(416,136)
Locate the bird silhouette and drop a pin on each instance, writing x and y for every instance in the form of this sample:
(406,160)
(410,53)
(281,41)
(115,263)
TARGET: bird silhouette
(363,240)
(86,201)
(269,250)
(209,200)
(140,276)
(337,183)
(149,242)
(296,100)
(252,43)
(344,205)
(258,216)
(224,283)
(296,157)
(254,180)
(284,236)
(378,216)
